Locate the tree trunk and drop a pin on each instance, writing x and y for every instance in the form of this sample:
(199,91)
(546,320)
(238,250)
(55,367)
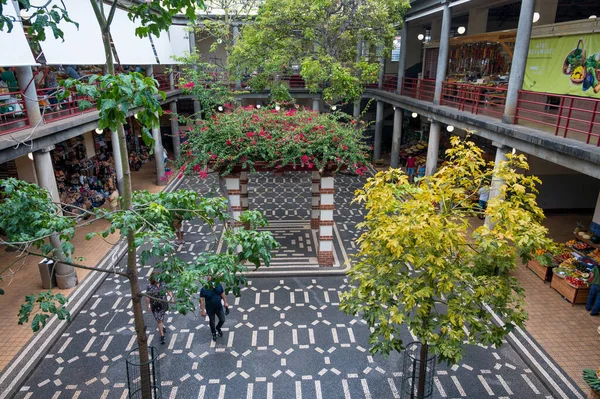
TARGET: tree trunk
(422,371)
(136,297)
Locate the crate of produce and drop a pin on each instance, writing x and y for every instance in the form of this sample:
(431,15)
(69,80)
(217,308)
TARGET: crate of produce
(543,272)
(575,295)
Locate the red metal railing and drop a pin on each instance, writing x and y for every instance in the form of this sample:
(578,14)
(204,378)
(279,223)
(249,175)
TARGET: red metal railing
(13,113)
(476,99)
(54,109)
(163,80)
(566,116)
(421,89)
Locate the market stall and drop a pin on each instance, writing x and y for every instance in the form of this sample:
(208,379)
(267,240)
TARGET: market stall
(569,269)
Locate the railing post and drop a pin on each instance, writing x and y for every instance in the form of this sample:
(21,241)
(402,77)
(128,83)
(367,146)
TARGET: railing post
(592,122)
(477,99)
(560,111)
(518,106)
(568,119)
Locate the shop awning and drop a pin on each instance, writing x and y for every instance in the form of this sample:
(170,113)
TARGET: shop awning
(180,42)
(20,52)
(131,49)
(162,45)
(81,46)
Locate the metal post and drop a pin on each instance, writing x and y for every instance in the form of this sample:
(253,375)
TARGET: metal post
(356,110)
(501,151)
(159,157)
(378,130)
(379,52)
(443,55)
(402,60)
(175,130)
(397,137)
(236,34)
(519,60)
(27,87)
(114,141)
(433,147)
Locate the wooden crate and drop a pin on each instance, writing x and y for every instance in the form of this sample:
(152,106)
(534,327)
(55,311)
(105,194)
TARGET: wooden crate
(543,272)
(571,294)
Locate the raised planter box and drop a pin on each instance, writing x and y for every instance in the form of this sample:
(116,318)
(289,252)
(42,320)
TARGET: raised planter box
(543,272)
(570,293)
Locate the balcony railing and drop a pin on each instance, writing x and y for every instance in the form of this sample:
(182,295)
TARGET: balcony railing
(13,114)
(54,109)
(571,117)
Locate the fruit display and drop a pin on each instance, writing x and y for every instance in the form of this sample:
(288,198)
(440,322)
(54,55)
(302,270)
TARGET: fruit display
(563,257)
(578,245)
(577,282)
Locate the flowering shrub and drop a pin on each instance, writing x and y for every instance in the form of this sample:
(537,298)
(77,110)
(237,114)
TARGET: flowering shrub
(300,138)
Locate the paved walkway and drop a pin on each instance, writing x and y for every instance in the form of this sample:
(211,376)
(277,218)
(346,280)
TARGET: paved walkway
(285,335)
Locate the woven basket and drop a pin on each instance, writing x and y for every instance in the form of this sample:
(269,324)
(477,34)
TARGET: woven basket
(581,46)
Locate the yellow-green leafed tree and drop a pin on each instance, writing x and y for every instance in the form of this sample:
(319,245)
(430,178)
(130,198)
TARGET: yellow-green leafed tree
(422,266)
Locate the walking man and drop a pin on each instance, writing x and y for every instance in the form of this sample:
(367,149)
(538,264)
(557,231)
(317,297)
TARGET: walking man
(210,302)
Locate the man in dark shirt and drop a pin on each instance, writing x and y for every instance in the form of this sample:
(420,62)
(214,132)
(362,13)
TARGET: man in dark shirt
(210,302)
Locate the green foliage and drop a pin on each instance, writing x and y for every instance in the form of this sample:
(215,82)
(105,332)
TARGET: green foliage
(118,95)
(248,136)
(321,37)
(157,15)
(591,378)
(41,18)
(43,305)
(420,266)
(203,82)
(28,217)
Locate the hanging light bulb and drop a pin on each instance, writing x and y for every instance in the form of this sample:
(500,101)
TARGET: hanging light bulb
(421,37)
(277,108)
(450,128)
(461,30)
(99,131)
(220,108)
(414,115)
(257,106)
(30,156)
(333,107)
(536,17)
(135,116)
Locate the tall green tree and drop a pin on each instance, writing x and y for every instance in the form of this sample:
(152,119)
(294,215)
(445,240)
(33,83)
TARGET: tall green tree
(420,266)
(320,37)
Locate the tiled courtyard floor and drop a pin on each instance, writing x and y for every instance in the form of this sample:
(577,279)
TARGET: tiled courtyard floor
(285,335)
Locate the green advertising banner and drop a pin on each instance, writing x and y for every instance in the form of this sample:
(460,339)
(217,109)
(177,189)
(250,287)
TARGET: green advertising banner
(564,65)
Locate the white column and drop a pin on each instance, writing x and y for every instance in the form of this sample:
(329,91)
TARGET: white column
(443,54)
(244,200)
(27,86)
(477,21)
(378,130)
(316,104)
(66,276)
(26,169)
(356,110)
(172,79)
(595,226)
(433,148)
(234,191)
(315,200)
(236,34)
(114,141)
(497,182)
(397,137)
(326,220)
(519,61)
(88,141)
(159,157)
(403,51)
(175,130)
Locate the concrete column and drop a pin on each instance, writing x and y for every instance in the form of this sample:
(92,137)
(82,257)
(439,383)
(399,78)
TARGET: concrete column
(443,55)
(236,34)
(396,138)
(192,38)
(477,21)
(159,157)
(244,191)
(172,80)
(114,141)
(175,130)
(595,226)
(519,61)
(326,220)
(234,191)
(316,200)
(88,141)
(403,51)
(433,148)
(497,182)
(316,104)
(26,169)
(27,86)
(66,276)
(547,10)
(378,130)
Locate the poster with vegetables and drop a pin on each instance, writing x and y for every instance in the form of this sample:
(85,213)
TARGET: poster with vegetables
(567,65)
